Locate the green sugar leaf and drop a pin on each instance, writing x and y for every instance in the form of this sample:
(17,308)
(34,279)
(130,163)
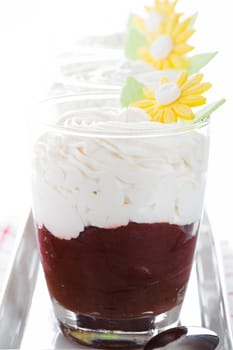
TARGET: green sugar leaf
(195,63)
(134,41)
(194,18)
(130,22)
(132,91)
(206,112)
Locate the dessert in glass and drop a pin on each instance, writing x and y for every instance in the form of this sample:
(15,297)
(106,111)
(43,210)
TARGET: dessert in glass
(118,182)
(154,46)
(117,201)
(102,71)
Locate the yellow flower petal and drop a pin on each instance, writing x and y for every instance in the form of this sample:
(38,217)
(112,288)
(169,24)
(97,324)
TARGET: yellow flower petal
(145,56)
(186,35)
(193,100)
(183,26)
(149,93)
(178,62)
(197,89)
(183,49)
(165,7)
(183,111)
(166,64)
(172,24)
(158,116)
(174,4)
(169,116)
(140,23)
(159,64)
(181,80)
(143,104)
(192,82)
(152,111)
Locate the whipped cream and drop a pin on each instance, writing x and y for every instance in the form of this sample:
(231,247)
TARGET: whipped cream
(77,71)
(110,73)
(83,181)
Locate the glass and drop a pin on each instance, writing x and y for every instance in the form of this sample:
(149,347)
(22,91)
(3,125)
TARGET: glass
(117,207)
(102,70)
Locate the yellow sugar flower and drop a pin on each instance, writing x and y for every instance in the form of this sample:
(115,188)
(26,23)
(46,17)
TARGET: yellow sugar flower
(167,49)
(165,7)
(161,10)
(173,99)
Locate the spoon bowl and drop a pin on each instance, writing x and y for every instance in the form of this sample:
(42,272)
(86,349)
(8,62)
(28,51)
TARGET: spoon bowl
(184,338)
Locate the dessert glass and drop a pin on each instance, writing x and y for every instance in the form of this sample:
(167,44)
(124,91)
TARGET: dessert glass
(104,68)
(117,204)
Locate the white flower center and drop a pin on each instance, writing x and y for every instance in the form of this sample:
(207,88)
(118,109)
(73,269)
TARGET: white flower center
(153,21)
(167,93)
(161,47)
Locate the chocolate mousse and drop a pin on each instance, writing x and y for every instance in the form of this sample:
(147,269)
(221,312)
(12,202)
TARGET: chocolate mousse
(119,273)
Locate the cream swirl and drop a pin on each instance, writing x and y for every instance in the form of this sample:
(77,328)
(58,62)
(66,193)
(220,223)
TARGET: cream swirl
(110,73)
(107,182)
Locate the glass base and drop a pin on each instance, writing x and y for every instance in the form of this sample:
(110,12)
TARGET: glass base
(99,332)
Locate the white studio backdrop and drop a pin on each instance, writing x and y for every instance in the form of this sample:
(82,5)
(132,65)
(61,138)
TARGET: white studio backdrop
(31,31)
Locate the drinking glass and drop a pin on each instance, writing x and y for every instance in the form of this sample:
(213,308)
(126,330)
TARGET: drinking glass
(117,205)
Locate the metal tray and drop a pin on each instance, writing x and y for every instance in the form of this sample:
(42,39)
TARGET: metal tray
(26,317)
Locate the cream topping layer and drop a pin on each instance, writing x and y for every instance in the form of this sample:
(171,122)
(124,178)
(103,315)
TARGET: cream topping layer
(108,182)
(109,72)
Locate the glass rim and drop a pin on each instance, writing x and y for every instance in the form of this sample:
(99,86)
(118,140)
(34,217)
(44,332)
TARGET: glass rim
(130,130)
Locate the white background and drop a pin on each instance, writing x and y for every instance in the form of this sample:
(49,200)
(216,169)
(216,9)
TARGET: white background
(32,30)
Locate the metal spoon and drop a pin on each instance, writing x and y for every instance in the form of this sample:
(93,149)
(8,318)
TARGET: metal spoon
(184,338)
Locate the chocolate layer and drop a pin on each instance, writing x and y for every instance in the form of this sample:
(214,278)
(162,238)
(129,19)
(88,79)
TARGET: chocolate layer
(119,273)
